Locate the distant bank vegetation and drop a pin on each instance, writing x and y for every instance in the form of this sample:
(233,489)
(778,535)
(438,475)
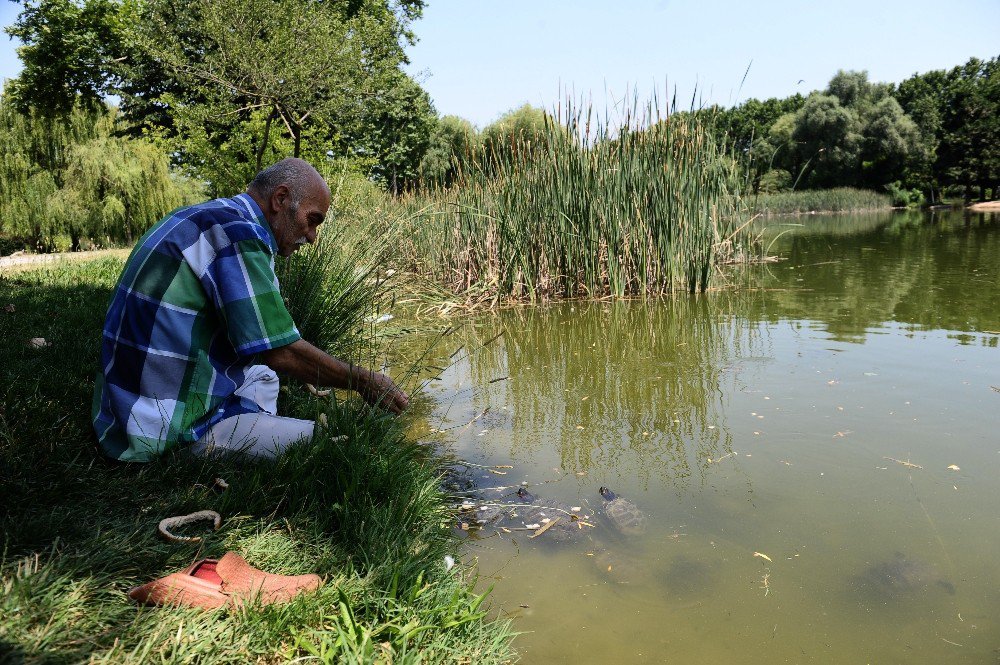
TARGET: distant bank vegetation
(838,199)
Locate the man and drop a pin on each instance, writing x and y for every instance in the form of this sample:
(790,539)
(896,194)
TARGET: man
(197,328)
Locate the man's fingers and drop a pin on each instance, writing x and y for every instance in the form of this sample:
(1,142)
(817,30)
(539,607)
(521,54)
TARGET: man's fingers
(386,394)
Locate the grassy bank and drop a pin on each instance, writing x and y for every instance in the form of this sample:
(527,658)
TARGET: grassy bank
(840,199)
(365,513)
(591,208)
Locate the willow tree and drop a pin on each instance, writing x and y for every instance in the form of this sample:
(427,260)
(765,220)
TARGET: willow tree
(71,176)
(34,151)
(117,187)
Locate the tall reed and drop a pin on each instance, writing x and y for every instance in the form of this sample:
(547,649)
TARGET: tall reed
(838,199)
(641,205)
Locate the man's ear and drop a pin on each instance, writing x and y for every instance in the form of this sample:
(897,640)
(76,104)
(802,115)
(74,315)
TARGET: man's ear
(279,198)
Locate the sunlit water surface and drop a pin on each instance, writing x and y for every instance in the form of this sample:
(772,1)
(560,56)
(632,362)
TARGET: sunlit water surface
(790,445)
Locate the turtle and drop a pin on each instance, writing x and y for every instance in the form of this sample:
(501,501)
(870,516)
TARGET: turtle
(898,579)
(622,514)
(536,512)
(491,512)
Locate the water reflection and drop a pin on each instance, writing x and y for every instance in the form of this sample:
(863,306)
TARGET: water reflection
(853,273)
(630,388)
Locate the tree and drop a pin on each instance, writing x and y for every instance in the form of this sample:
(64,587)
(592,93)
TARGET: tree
(453,143)
(396,133)
(828,141)
(892,142)
(71,52)
(517,128)
(70,176)
(246,80)
(920,97)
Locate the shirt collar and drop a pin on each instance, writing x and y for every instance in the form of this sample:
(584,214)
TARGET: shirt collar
(246,201)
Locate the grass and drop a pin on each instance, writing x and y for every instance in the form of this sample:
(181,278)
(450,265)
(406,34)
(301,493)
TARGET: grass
(366,514)
(838,199)
(644,205)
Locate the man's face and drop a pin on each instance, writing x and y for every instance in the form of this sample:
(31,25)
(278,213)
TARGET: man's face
(296,224)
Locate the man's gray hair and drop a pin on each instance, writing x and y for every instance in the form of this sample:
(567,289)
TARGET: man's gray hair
(296,174)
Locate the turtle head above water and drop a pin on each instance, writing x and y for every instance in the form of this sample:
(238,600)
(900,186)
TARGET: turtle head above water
(608,494)
(524,494)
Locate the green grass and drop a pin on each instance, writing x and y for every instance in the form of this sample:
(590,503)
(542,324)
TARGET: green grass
(839,199)
(646,205)
(365,513)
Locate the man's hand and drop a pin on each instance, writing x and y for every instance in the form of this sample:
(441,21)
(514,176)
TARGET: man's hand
(379,390)
(308,364)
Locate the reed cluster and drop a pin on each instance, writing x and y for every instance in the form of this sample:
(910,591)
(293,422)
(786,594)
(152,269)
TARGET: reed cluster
(838,199)
(591,208)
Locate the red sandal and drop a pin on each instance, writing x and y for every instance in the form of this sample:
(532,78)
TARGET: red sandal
(211,583)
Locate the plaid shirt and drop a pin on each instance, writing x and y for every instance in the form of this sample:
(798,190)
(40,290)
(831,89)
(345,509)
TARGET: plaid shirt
(197,300)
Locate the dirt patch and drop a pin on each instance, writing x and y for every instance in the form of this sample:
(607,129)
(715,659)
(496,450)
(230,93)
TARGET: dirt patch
(17,262)
(988,206)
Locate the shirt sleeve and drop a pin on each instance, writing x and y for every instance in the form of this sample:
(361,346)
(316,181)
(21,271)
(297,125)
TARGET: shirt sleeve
(248,299)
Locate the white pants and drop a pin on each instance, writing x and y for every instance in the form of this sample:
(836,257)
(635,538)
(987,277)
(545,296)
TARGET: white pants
(263,434)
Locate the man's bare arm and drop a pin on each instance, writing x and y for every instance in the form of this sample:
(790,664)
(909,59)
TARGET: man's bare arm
(305,362)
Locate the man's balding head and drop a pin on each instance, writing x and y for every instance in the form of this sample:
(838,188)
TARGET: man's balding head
(296,174)
(294,199)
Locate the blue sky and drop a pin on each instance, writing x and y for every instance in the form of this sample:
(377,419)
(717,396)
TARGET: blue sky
(478,59)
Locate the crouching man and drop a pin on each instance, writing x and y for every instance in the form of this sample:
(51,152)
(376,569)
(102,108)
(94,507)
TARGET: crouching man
(197,331)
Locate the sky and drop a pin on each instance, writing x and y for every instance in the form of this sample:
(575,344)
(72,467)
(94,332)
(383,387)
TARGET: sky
(478,59)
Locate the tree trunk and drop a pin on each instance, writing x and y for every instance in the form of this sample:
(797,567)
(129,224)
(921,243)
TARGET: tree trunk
(266,139)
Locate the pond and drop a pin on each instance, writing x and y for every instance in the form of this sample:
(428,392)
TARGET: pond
(815,458)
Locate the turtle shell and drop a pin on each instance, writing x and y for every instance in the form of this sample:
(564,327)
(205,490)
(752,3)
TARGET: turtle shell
(623,515)
(535,512)
(899,578)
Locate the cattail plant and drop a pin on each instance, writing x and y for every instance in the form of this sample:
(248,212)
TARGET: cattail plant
(642,206)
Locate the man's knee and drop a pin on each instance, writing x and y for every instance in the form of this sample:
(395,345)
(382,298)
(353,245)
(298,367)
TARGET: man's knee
(260,385)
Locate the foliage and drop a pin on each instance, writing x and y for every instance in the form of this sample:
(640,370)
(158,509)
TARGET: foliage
(365,513)
(228,86)
(453,145)
(903,197)
(934,131)
(67,50)
(396,134)
(525,128)
(837,199)
(958,114)
(70,175)
(640,208)
(775,180)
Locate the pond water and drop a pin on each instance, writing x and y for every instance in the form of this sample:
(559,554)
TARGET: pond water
(817,458)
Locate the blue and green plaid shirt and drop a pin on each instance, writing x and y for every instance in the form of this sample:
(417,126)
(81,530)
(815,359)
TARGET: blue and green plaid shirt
(197,300)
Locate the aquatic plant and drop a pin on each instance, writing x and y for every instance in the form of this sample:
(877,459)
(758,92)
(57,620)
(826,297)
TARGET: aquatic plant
(641,205)
(839,199)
